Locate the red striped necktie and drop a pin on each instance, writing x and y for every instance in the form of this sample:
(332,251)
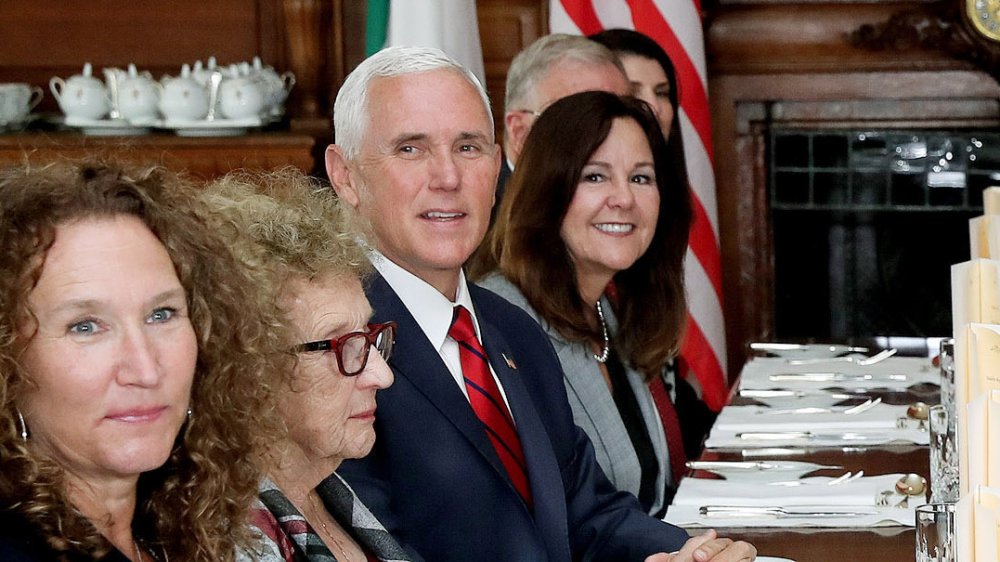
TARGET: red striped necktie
(487,403)
(671,428)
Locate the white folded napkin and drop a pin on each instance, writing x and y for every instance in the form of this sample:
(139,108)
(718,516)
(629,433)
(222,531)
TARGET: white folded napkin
(756,372)
(729,439)
(814,493)
(758,418)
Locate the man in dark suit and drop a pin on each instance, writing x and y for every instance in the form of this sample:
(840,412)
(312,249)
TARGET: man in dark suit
(415,157)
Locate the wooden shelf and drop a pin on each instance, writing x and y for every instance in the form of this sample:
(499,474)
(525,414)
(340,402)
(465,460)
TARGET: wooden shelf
(201,157)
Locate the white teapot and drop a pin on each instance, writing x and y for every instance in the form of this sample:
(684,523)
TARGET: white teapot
(183,98)
(81,96)
(242,96)
(138,95)
(276,86)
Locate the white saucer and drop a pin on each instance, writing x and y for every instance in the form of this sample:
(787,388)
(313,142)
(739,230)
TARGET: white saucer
(214,128)
(15,126)
(110,127)
(772,559)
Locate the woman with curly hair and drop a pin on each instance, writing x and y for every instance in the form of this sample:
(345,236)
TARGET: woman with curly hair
(135,367)
(284,224)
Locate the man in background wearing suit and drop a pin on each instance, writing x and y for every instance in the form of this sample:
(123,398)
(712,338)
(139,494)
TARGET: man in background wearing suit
(477,457)
(551,68)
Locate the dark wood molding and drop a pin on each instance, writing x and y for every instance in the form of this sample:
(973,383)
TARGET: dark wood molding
(943,26)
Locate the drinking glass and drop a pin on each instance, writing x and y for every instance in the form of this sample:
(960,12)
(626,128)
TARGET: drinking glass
(947,363)
(944,455)
(935,532)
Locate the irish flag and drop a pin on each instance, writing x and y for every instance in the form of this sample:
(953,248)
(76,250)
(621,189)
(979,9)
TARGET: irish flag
(449,25)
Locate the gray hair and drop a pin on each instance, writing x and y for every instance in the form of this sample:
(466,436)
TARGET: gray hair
(350,111)
(532,64)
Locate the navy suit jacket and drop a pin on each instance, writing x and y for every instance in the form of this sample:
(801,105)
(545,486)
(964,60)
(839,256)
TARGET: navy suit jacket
(436,483)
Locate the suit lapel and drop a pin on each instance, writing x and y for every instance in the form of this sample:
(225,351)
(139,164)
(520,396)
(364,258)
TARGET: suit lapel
(416,359)
(544,473)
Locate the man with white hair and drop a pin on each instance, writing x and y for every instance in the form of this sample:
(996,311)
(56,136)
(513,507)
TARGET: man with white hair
(477,456)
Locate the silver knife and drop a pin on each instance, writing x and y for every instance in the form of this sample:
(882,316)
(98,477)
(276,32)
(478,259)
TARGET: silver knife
(783,512)
(782,435)
(827,348)
(836,377)
(749,465)
(751,393)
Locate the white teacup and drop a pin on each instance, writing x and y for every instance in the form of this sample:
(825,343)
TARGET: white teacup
(17,99)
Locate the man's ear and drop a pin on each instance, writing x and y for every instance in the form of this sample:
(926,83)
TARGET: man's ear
(339,172)
(517,125)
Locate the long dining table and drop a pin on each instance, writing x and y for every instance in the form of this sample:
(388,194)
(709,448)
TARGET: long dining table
(827,544)
(881,544)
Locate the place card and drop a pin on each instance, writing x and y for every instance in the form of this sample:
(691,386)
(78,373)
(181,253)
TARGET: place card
(975,293)
(977,526)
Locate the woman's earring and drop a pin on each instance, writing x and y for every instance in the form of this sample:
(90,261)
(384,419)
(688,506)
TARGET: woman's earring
(190,413)
(22,426)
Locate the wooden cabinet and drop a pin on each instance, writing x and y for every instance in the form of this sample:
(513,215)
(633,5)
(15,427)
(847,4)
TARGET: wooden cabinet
(202,158)
(46,38)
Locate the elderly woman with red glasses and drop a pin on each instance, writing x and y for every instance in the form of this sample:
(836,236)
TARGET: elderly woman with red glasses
(296,237)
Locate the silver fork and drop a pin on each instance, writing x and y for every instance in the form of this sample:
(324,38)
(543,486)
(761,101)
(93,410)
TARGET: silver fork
(861,361)
(844,478)
(853,410)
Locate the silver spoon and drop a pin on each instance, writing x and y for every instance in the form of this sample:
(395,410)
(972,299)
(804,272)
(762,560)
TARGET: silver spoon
(213,93)
(111,75)
(919,411)
(910,485)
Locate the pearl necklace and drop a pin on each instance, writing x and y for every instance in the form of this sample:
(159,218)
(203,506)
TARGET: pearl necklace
(603,357)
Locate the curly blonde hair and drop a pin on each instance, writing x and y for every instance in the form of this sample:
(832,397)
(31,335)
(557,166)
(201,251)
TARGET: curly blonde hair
(193,507)
(289,224)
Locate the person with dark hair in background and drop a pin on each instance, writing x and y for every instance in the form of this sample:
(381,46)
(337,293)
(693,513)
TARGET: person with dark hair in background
(611,209)
(653,80)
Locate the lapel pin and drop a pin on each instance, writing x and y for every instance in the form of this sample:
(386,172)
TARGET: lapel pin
(510,362)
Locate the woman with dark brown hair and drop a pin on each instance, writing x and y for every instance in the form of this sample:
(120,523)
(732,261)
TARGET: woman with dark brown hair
(653,79)
(590,239)
(136,365)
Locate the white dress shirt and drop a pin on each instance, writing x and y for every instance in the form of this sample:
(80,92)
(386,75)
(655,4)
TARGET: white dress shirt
(433,313)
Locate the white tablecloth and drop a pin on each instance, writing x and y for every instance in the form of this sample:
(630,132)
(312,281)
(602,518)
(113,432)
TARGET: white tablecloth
(861,494)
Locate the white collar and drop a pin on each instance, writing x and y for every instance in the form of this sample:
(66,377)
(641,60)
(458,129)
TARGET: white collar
(432,310)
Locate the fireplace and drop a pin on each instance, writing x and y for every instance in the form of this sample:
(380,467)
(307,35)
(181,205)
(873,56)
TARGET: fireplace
(867,223)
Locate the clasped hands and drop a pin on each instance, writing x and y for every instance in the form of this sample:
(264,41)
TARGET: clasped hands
(709,547)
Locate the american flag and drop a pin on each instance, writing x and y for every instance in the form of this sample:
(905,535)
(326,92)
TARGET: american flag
(676,25)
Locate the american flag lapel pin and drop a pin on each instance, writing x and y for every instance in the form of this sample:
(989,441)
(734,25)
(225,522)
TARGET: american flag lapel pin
(510,362)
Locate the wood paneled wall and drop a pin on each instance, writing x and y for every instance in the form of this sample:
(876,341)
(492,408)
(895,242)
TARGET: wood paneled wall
(786,62)
(794,64)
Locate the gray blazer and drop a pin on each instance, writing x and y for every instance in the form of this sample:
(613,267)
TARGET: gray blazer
(593,406)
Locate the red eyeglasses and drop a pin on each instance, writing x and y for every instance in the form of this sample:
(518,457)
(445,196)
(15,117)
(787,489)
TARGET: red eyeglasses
(352,349)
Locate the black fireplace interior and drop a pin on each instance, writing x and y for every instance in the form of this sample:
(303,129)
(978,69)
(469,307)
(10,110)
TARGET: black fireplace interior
(867,224)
